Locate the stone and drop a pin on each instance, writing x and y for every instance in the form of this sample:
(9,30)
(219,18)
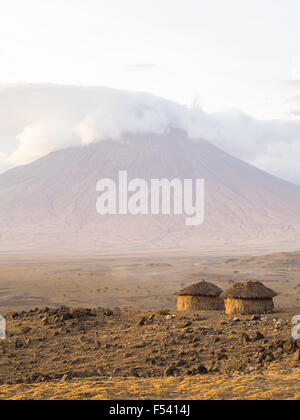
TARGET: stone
(18,344)
(222,357)
(245,339)
(170,371)
(66,378)
(278,354)
(26,330)
(259,336)
(288,346)
(45,320)
(296,356)
(269,358)
(141,321)
(201,370)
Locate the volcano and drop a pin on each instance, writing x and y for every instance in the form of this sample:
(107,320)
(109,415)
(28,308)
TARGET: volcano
(50,204)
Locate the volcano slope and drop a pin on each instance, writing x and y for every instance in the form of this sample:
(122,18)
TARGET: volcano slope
(50,205)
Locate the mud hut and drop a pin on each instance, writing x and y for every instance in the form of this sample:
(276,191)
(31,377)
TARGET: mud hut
(248,298)
(200,296)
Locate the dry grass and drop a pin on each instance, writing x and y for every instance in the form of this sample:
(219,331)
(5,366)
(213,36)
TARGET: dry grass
(275,384)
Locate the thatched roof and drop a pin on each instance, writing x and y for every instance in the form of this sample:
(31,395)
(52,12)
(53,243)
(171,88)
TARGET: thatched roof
(203,288)
(249,290)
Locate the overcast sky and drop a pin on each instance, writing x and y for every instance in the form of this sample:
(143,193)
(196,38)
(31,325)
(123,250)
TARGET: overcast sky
(221,55)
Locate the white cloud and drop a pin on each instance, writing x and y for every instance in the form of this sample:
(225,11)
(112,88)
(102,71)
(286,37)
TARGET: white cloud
(292,106)
(296,67)
(122,112)
(39,139)
(38,119)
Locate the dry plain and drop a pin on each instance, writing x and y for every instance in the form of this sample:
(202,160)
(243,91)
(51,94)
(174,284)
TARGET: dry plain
(105,354)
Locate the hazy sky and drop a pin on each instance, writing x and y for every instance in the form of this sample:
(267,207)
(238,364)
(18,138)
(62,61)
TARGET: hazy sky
(222,54)
(228,56)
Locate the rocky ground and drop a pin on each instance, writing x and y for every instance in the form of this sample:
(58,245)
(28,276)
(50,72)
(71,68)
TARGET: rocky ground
(69,344)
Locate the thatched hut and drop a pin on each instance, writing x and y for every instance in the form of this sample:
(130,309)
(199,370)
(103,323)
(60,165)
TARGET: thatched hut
(200,296)
(248,298)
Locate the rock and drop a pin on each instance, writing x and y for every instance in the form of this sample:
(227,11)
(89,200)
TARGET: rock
(298,343)
(269,358)
(108,312)
(18,344)
(212,367)
(222,357)
(45,320)
(66,378)
(141,321)
(201,370)
(45,311)
(279,344)
(97,343)
(64,317)
(245,339)
(19,381)
(43,378)
(181,363)
(135,372)
(197,370)
(296,356)
(26,330)
(27,342)
(236,319)
(255,318)
(288,346)
(170,371)
(259,336)
(278,354)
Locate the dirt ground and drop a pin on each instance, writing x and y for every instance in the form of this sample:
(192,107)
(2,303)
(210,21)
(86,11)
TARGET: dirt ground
(130,342)
(146,281)
(47,346)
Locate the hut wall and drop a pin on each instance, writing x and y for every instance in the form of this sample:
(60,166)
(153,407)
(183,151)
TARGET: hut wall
(248,306)
(198,303)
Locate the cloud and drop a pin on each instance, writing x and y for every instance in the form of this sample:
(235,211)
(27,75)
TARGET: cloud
(292,106)
(39,139)
(142,67)
(120,113)
(296,67)
(38,119)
